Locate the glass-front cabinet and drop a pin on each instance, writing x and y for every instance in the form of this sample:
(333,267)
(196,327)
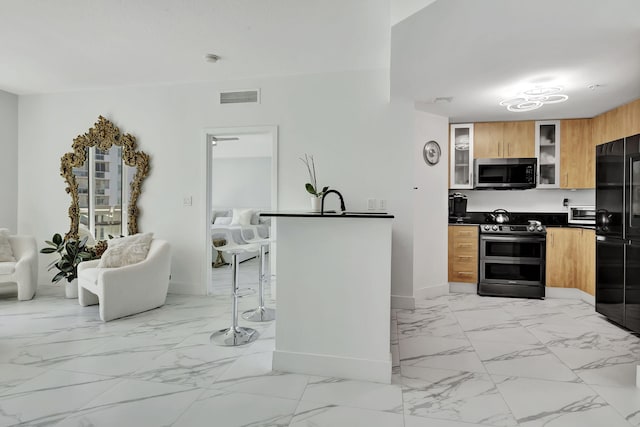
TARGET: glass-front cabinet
(548,153)
(461,156)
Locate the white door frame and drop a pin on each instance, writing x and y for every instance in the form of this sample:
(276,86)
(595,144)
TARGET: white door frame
(206,188)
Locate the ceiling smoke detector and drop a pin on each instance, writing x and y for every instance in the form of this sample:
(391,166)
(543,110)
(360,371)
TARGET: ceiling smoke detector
(211,57)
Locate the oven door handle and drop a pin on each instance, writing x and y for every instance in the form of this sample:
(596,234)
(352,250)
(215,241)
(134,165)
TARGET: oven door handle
(523,239)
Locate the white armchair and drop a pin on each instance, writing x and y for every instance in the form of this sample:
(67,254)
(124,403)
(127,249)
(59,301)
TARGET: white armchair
(127,290)
(24,271)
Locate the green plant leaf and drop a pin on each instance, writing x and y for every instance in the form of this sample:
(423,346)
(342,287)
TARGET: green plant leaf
(47,250)
(310,189)
(57,239)
(324,190)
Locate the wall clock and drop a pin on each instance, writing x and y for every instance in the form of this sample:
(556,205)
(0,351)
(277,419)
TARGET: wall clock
(431,153)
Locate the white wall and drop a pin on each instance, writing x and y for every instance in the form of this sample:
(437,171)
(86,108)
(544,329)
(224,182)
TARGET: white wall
(534,200)
(241,182)
(343,119)
(430,256)
(9,161)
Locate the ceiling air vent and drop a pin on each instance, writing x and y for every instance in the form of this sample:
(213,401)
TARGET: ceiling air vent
(240,97)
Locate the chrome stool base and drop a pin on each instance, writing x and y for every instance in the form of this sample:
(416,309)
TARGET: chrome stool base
(260,314)
(234,336)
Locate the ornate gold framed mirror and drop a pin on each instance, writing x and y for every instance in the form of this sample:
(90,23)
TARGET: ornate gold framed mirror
(104,161)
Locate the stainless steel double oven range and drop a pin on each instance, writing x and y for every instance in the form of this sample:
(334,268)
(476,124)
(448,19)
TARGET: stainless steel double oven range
(512,260)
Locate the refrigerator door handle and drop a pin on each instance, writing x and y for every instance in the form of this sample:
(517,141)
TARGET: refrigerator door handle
(601,238)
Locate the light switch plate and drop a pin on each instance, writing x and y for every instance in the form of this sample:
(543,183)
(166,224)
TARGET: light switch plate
(371,204)
(187,200)
(383,204)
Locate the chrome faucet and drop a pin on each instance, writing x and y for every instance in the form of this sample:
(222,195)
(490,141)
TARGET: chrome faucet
(339,195)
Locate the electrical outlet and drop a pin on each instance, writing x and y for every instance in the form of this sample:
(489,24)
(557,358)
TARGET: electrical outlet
(383,204)
(371,204)
(187,201)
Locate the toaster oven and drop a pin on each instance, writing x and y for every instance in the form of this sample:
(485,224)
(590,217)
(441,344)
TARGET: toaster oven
(582,215)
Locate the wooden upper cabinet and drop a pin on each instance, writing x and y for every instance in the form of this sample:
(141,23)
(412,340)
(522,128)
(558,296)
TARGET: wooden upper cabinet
(631,118)
(519,139)
(617,123)
(504,139)
(577,154)
(487,140)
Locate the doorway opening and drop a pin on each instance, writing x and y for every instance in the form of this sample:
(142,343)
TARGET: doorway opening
(241,180)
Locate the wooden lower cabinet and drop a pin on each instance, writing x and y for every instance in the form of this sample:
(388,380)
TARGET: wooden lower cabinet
(463,253)
(571,257)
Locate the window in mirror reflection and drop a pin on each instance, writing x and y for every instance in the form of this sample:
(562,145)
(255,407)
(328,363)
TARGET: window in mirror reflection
(82,178)
(100,192)
(108,192)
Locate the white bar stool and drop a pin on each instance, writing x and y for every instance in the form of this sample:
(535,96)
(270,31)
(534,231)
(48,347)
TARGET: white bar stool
(262,313)
(234,335)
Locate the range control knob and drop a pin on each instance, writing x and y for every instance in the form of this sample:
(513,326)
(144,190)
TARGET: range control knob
(539,228)
(494,228)
(487,227)
(531,228)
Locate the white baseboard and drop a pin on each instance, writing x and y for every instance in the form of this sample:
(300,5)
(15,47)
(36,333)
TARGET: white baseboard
(186,289)
(333,366)
(403,302)
(431,291)
(463,288)
(569,293)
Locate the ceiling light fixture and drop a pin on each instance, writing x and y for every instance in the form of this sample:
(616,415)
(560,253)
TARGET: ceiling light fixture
(534,98)
(211,57)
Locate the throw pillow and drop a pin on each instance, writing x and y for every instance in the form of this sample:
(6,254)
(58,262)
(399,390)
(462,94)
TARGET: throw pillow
(222,220)
(126,250)
(241,216)
(6,253)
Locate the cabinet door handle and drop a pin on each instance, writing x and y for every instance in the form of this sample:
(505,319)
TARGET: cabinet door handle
(508,149)
(465,273)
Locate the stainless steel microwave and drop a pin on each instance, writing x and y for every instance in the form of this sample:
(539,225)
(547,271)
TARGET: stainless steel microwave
(503,174)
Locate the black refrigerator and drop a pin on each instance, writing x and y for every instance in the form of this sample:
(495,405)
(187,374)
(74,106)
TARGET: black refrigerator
(618,231)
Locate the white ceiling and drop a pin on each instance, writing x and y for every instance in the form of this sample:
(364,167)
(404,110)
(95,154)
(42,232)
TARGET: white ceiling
(68,45)
(481,52)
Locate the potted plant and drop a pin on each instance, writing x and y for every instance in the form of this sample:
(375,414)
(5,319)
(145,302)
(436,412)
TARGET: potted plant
(71,252)
(312,185)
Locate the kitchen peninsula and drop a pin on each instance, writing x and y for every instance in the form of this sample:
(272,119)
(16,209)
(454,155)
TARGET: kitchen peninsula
(334,290)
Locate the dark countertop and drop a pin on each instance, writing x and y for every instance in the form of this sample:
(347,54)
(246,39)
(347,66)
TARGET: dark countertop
(327,214)
(548,219)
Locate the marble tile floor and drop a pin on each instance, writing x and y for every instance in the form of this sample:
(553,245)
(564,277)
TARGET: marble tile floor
(459,361)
